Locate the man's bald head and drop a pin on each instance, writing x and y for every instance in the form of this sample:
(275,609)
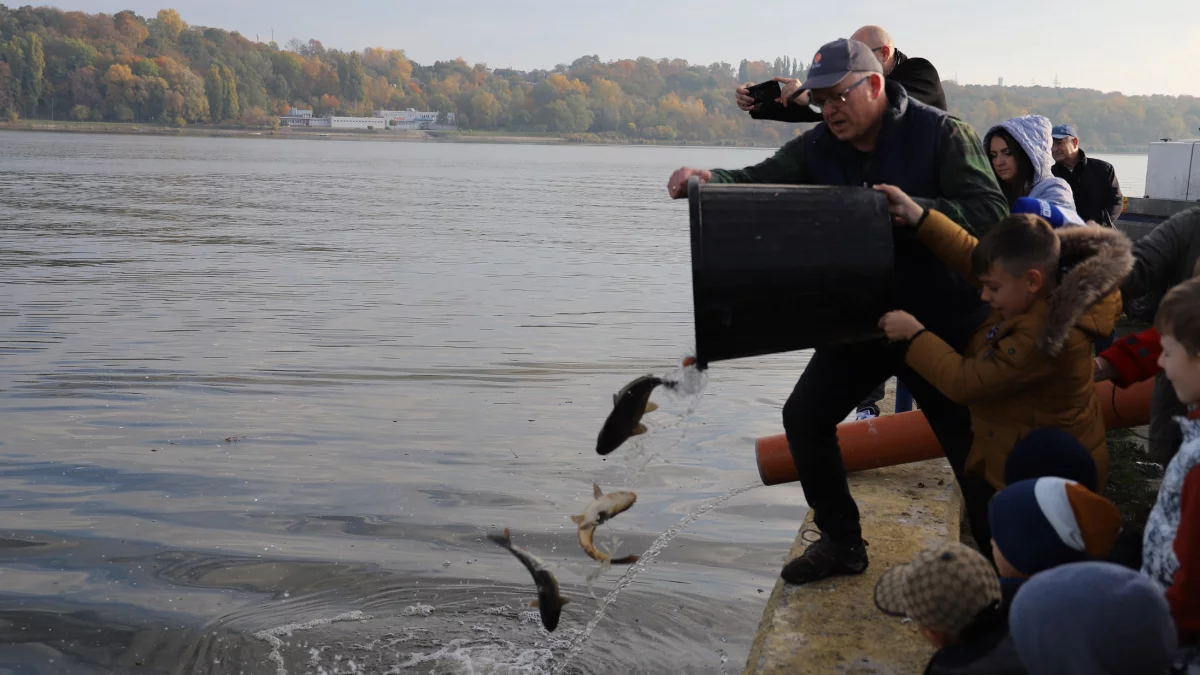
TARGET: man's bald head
(880,42)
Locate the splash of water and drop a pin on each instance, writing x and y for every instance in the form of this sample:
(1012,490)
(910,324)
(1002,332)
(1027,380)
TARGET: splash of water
(271,635)
(684,383)
(651,553)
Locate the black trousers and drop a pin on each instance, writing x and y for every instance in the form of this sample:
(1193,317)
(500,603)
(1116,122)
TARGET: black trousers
(835,381)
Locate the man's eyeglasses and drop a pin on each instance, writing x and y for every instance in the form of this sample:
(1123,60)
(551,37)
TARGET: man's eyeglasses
(838,98)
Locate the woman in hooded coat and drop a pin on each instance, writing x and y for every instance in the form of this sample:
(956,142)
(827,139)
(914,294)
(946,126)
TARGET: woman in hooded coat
(1019,150)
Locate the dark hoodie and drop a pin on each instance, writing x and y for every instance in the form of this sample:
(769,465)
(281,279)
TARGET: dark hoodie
(918,77)
(984,648)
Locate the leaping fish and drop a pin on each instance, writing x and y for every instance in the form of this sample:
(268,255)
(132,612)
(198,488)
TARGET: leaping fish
(629,405)
(549,602)
(602,508)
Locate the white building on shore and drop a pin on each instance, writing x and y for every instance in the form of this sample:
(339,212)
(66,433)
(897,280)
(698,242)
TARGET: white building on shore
(380,119)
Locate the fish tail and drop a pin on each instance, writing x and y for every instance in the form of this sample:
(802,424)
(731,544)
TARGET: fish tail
(627,560)
(504,540)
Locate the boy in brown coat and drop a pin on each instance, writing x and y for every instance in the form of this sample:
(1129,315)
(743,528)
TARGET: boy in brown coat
(1029,366)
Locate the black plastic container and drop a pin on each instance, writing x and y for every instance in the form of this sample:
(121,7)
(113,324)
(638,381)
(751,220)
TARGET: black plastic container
(776,268)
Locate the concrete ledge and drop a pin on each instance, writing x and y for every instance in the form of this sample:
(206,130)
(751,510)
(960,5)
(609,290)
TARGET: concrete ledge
(832,626)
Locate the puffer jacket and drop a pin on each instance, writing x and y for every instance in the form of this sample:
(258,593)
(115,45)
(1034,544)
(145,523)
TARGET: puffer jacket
(1032,132)
(1034,370)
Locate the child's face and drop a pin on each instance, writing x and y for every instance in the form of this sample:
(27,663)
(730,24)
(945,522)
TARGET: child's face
(1008,294)
(1181,368)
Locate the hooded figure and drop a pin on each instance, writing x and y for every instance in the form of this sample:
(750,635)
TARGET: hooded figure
(1033,179)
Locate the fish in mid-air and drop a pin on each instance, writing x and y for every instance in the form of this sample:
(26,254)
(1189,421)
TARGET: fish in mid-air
(602,508)
(550,602)
(629,405)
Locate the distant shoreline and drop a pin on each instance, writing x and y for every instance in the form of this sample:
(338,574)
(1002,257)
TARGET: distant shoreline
(130,128)
(513,137)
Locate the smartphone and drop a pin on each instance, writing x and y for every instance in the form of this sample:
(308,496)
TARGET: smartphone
(765,92)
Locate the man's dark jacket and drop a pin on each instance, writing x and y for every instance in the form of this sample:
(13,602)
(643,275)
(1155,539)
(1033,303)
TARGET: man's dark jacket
(918,77)
(1097,192)
(1166,257)
(935,158)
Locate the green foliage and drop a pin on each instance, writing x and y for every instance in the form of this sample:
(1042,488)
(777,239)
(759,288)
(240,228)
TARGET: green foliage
(124,66)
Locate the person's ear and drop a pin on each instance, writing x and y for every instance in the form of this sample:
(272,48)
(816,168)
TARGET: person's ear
(1034,280)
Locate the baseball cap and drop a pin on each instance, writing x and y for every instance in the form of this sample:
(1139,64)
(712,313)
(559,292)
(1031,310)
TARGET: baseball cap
(1042,523)
(1063,131)
(836,60)
(943,589)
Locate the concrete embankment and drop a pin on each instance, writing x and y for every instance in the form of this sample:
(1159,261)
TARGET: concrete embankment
(833,626)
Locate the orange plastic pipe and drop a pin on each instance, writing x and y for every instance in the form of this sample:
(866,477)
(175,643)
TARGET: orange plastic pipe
(904,438)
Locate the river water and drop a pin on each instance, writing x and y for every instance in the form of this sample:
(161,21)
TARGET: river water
(262,401)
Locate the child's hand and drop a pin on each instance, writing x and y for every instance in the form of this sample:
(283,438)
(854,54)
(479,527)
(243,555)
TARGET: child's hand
(1104,369)
(903,209)
(900,325)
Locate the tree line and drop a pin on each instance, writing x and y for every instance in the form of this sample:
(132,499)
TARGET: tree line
(125,67)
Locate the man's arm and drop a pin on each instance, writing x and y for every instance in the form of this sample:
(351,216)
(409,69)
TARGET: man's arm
(786,166)
(774,110)
(970,195)
(1116,202)
(1156,256)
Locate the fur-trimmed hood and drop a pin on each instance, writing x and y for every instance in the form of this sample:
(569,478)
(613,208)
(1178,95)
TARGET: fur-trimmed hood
(1094,261)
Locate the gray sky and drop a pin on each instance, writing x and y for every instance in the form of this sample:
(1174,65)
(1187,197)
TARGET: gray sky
(1144,47)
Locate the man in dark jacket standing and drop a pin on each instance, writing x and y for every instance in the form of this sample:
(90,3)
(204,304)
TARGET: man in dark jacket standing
(1163,259)
(918,77)
(874,133)
(1097,193)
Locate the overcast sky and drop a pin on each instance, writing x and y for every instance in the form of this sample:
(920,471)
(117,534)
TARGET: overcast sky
(1144,47)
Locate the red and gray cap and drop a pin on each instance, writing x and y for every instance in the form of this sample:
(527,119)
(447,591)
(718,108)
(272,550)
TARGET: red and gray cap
(837,59)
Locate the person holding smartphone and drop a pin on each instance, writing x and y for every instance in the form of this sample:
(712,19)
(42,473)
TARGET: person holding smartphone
(918,77)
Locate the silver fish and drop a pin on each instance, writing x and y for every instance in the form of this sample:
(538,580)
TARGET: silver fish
(603,507)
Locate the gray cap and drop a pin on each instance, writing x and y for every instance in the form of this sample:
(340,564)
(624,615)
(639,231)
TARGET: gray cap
(836,60)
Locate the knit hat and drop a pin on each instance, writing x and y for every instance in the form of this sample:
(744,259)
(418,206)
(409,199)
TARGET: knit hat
(1050,452)
(1093,618)
(944,589)
(1046,522)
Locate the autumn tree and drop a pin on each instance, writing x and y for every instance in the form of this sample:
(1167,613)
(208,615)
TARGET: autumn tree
(169,24)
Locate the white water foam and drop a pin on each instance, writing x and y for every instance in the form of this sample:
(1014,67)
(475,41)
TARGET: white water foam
(651,553)
(501,657)
(272,635)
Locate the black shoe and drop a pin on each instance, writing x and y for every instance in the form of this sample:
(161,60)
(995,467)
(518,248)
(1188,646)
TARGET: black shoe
(825,558)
